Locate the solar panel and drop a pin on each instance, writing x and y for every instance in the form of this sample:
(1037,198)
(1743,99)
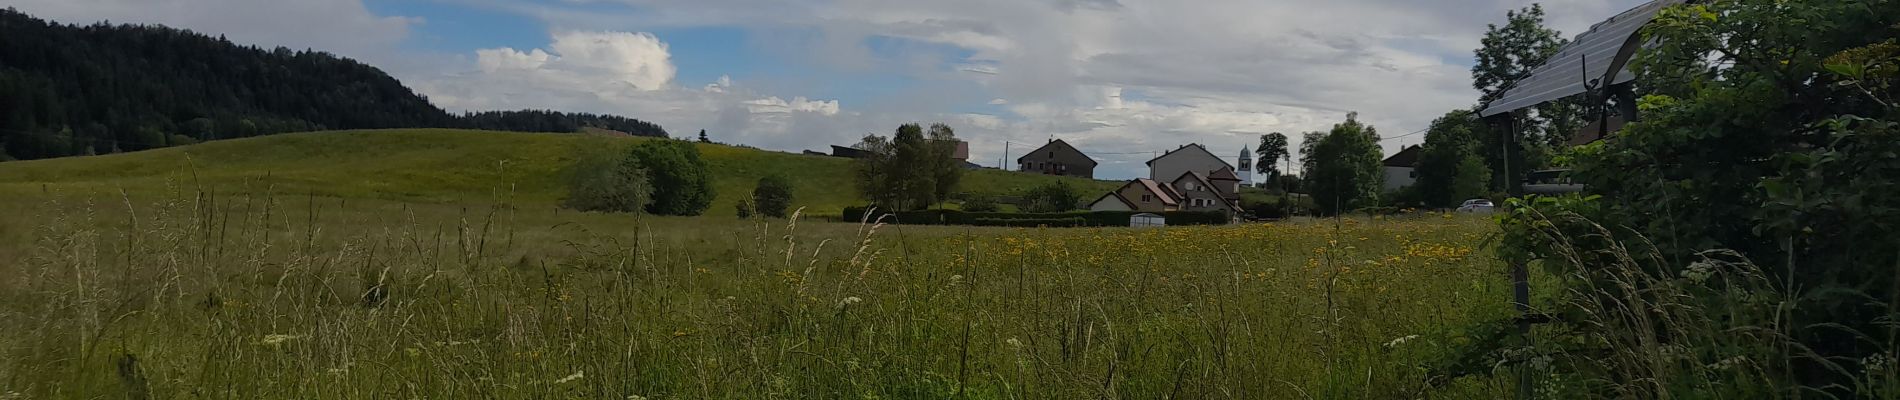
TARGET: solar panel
(1564,74)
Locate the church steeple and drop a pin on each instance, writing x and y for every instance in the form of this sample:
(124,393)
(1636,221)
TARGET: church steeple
(1246,166)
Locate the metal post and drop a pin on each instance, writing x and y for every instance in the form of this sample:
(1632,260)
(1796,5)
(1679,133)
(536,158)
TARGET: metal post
(1521,297)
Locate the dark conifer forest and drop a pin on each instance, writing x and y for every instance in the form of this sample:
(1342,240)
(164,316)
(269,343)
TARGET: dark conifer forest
(77,90)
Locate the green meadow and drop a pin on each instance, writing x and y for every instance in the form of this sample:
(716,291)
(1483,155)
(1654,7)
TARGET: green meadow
(432,264)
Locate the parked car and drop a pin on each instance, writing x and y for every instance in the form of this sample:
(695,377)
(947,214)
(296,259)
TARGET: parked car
(1481,206)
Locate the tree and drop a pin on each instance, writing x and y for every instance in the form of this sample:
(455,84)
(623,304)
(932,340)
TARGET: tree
(1508,54)
(1053,197)
(681,182)
(945,169)
(772,196)
(605,180)
(1271,151)
(703,138)
(1451,165)
(1342,167)
(907,171)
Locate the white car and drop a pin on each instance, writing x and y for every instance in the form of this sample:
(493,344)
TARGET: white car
(1481,206)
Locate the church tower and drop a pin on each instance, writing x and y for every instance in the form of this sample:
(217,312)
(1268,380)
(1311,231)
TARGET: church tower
(1246,167)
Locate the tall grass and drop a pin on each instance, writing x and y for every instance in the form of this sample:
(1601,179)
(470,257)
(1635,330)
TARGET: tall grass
(280,295)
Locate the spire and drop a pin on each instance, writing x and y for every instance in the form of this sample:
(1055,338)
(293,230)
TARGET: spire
(1244,154)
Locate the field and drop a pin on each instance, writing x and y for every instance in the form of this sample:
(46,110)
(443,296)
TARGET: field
(315,283)
(444,166)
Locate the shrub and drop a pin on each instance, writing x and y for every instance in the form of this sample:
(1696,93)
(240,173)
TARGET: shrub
(772,196)
(980,203)
(606,181)
(1053,197)
(743,208)
(680,181)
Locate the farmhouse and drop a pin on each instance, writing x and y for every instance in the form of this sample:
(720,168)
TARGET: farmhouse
(1401,169)
(1057,158)
(1188,158)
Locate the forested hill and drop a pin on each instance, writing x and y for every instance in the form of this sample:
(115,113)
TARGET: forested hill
(72,90)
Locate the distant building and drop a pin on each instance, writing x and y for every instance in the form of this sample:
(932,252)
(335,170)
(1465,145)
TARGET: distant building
(1189,158)
(1401,169)
(1246,167)
(961,153)
(815,153)
(849,152)
(1057,158)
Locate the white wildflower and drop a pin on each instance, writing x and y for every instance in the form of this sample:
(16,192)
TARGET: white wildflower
(577,375)
(277,339)
(1699,271)
(849,301)
(1541,363)
(956,279)
(1877,363)
(1400,340)
(1014,343)
(1728,363)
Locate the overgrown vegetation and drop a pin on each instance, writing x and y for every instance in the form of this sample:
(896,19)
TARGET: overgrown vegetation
(1739,239)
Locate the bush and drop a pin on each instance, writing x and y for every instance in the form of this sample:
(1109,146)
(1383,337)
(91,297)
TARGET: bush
(743,208)
(980,203)
(606,181)
(1053,197)
(680,181)
(772,196)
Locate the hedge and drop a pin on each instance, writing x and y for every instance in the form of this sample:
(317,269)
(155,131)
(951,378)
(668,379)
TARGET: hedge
(1066,219)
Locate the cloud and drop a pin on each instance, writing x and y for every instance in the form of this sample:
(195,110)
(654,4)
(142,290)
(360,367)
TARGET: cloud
(631,74)
(597,61)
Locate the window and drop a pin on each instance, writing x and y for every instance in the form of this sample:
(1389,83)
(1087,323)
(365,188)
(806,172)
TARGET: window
(1147,198)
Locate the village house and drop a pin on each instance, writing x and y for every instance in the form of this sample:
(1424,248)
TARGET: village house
(1057,158)
(1401,169)
(1216,188)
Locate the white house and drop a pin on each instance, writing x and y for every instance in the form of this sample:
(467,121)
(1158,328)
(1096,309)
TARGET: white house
(1401,169)
(1189,158)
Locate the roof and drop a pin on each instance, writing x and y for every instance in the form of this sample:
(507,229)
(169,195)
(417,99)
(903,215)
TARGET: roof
(1115,195)
(1587,58)
(1196,146)
(1163,192)
(1406,157)
(848,152)
(1229,202)
(1053,143)
(1224,174)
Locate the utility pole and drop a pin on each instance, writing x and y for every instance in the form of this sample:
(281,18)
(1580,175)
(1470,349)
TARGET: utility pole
(1000,164)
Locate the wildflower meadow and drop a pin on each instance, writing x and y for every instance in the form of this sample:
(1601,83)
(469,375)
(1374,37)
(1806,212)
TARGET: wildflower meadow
(275,296)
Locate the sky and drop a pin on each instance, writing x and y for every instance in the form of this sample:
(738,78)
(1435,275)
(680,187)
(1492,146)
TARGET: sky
(1122,80)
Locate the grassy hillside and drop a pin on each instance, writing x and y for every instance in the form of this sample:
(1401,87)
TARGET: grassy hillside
(439,165)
